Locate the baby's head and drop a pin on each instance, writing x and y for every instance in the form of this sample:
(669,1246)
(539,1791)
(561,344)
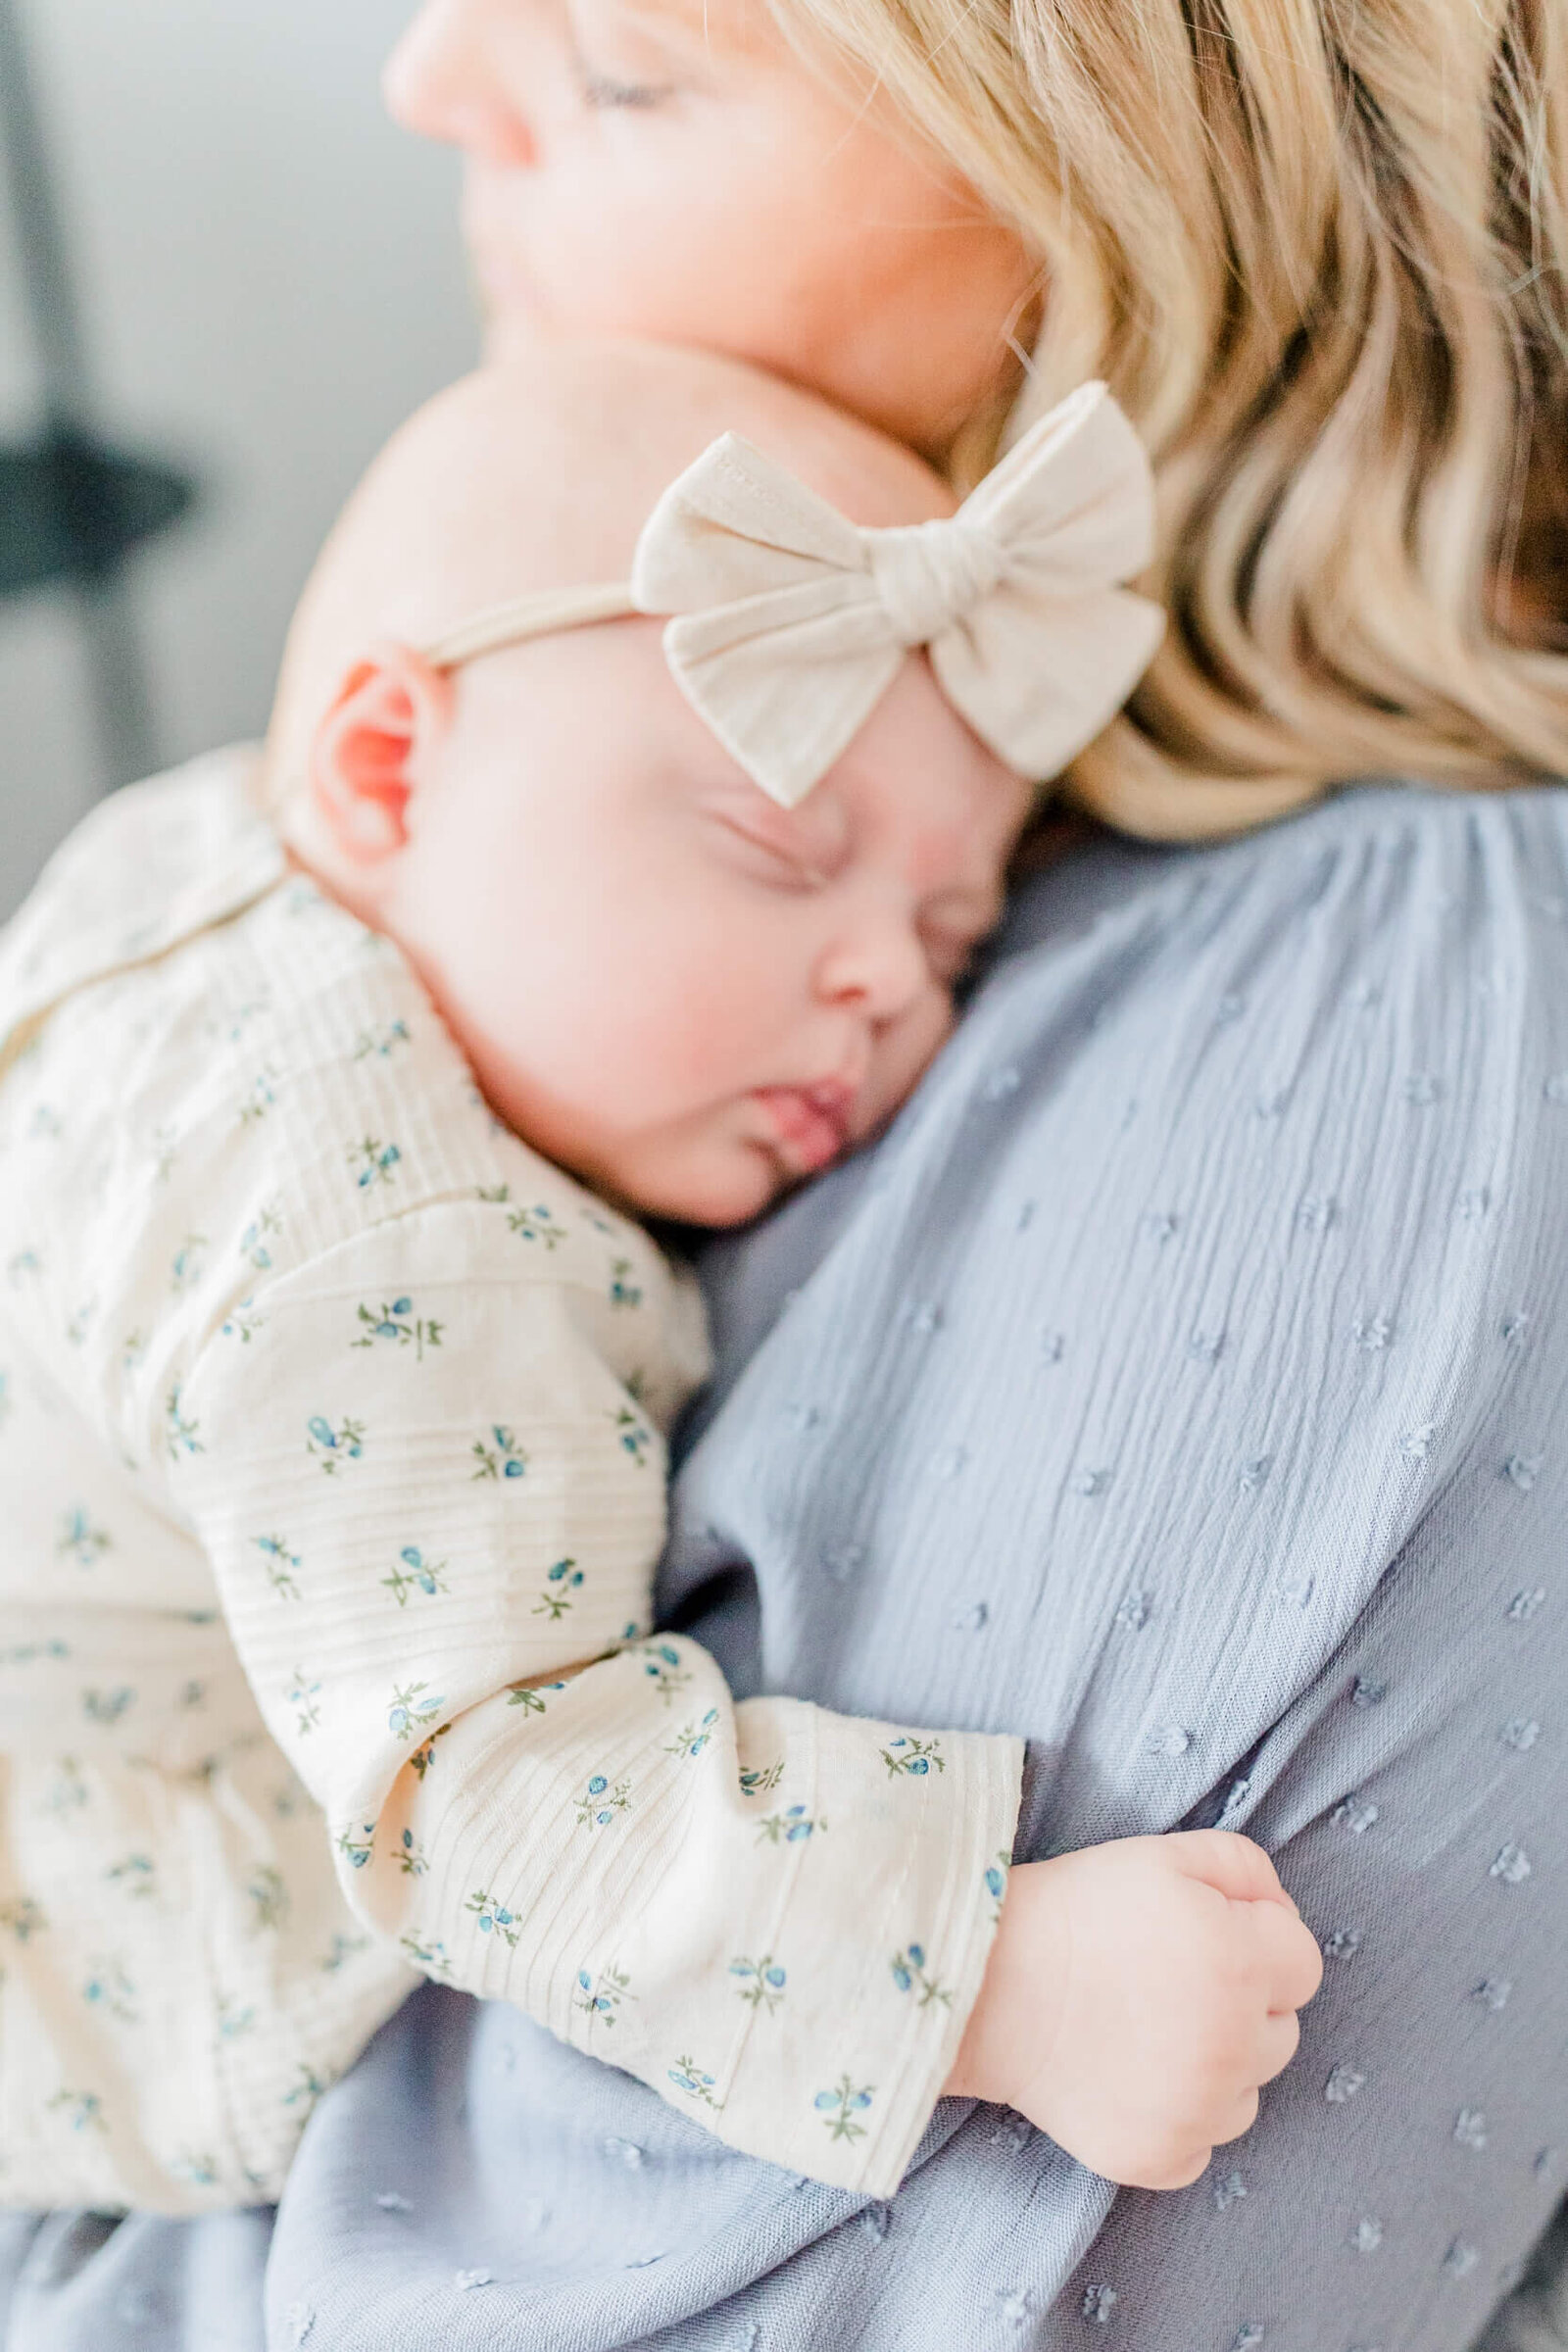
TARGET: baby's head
(686,992)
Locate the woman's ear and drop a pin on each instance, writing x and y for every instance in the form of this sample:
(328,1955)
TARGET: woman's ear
(371,751)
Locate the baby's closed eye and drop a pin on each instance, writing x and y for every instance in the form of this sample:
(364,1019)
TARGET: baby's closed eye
(781,864)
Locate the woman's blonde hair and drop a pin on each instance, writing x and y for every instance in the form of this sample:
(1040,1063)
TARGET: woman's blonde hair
(1319,249)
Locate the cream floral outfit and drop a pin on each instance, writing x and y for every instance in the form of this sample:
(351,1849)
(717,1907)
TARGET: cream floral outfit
(332,1430)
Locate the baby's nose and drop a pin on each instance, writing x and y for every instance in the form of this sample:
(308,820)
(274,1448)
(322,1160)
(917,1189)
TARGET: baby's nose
(880,966)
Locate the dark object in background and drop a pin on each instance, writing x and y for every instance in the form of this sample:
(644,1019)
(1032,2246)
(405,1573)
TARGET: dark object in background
(71,507)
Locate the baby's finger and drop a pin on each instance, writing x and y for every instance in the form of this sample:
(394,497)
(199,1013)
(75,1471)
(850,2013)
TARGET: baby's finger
(1171,2171)
(1239,2118)
(1278,2040)
(1289,1954)
(1229,1863)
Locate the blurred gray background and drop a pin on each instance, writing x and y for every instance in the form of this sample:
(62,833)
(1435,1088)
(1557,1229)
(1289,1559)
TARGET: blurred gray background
(269,277)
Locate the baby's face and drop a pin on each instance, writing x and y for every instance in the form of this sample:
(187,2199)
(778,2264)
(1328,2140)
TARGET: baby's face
(688,995)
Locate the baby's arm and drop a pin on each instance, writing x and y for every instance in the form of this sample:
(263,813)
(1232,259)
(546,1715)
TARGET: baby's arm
(427,1498)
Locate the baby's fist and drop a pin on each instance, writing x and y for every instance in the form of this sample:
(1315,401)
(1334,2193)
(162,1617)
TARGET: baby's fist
(1138,1995)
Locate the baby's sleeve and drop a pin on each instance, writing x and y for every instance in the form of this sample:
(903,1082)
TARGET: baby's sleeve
(427,1499)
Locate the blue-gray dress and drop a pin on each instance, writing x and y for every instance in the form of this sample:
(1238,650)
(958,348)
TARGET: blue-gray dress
(1182,1385)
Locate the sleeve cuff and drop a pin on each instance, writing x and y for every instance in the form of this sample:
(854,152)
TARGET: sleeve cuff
(876,1957)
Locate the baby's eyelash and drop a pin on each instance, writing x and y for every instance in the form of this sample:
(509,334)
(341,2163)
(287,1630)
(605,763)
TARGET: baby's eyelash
(603,89)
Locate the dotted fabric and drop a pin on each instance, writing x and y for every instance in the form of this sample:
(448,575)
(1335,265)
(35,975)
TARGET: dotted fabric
(1181,1386)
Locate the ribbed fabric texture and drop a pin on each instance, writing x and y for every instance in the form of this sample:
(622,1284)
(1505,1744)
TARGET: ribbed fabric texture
(309,1368)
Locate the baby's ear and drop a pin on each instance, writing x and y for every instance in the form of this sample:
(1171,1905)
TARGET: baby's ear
(371,750)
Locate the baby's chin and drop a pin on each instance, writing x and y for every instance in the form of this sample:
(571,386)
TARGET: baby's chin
(727,1189)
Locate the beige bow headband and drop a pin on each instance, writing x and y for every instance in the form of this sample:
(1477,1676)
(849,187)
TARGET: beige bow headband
(791,622)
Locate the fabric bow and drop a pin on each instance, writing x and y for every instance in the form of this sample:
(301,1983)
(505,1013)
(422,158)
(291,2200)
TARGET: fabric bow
(789,622)
(792,622)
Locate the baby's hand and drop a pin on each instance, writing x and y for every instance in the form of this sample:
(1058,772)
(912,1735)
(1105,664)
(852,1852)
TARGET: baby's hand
(1138,1994)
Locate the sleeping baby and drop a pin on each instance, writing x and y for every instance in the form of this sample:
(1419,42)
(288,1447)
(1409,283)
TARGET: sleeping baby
(649,754)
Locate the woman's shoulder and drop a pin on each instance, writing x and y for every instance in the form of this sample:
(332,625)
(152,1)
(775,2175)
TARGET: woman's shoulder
(1415,896)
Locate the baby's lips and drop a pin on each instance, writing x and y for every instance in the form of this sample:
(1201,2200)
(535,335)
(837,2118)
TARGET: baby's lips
(809,1122)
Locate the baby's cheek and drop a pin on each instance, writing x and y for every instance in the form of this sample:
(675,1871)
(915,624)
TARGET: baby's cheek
(907,1051)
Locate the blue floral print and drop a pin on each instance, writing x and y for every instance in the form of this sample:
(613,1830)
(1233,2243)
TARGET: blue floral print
(793,1826)
(26,1652)
(411,1707)
(179,1432)
(536,1224)
(761,1981)
(242,1017)
(264,1228)
(357,1846)
(416,1575)
(242,1323)
(622,1290)
(383,1042)
(342,1947)
(909,1976)
(995,1883)
(432,1958)
(108,1987)
(424,1756)
(502,1458)
(69,1792)
(374,1162)
(261,1098)
(188,1265)
(494,1919)
(200,2171)
(411,1856)
(840,2106)
(692,1737)
(601,1996)
(280,1565)
(136,1876)
(561,1583)
(79,1540)
(308,2088)
(761,1780)
(106,1707)
(330,1447)
(270,1895)
(302,1695)
(83,2109)
(22,1917)
(398,1325)
(635,1435)
(913,1759)
(600,1803)
(662,1663)
(688,2077)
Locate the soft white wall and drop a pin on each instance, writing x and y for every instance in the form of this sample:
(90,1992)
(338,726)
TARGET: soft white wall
(272,278)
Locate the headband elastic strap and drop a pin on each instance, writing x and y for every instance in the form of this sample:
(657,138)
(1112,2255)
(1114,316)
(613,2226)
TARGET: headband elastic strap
(539,615)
